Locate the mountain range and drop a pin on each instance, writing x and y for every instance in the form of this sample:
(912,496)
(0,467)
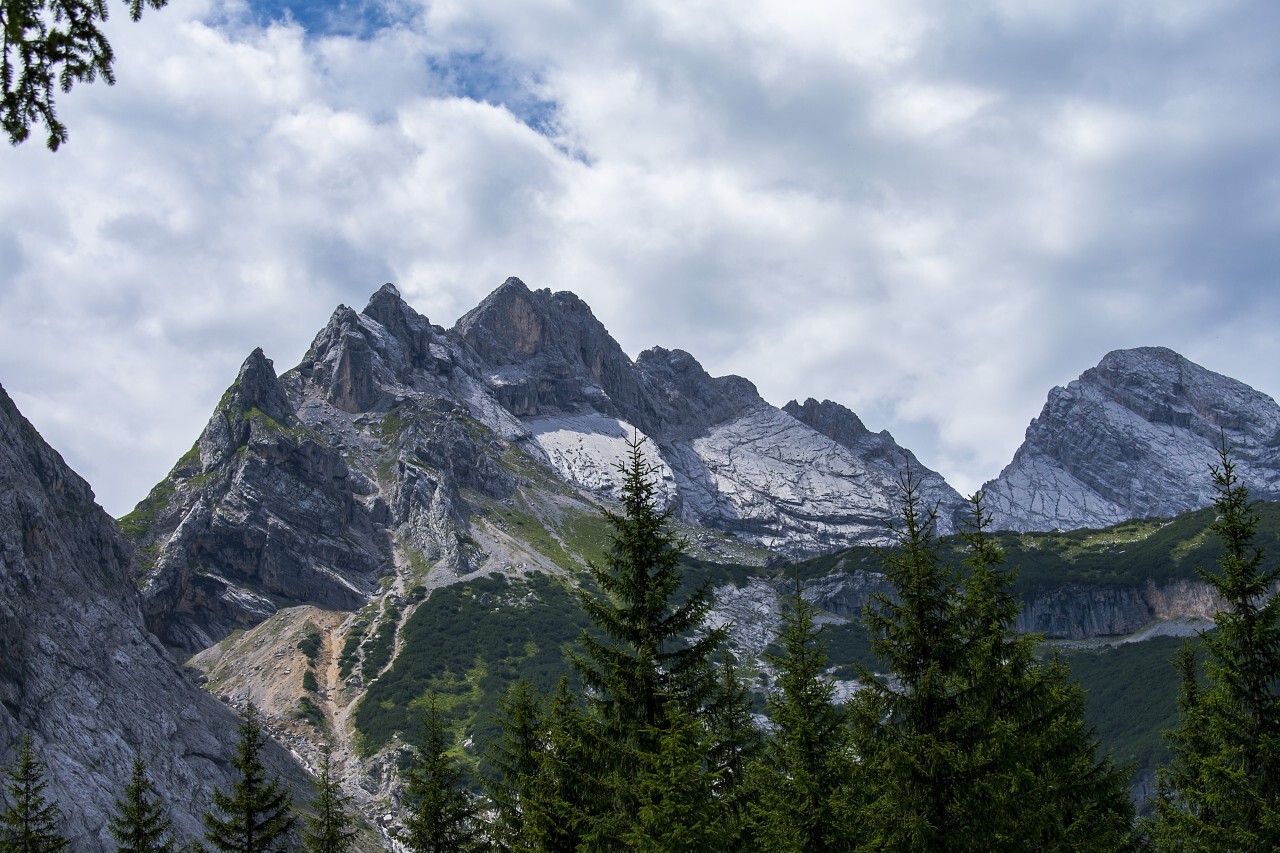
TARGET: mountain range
(400,458)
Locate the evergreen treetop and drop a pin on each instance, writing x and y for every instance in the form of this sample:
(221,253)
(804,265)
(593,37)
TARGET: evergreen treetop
(1221,790)
(331,828)
(140,824)
(29,824)
(442,817)
(257,816)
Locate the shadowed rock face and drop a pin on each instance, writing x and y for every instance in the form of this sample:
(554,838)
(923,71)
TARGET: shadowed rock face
(1135,437)
(79,670)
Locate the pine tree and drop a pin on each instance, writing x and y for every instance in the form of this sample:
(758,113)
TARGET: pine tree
(30,823)
(805,776)
(972,743)
(443,819)
(1221,790)
(140,824)
(257,813)
(331,828)
(677,808)
(515,760)
(1030,773)
(645,660)
(904,727)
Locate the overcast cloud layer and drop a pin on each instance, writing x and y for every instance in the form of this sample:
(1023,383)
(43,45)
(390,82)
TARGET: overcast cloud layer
(931,212)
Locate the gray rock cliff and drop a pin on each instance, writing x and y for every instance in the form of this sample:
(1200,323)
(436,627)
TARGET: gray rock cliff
(78,668)
(1134,437)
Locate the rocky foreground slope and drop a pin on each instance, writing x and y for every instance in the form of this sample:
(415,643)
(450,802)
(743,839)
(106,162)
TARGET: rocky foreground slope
(1132,438)
(80,671)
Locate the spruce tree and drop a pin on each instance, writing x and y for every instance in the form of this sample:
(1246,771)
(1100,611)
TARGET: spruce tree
(905,726)
(516,762)
(331,828)
(646,659)
(675,791)
(804,777)
(256,816)
(29,824)
(971,742)
(442,820)
(140,824)
(1221,790)
(1030,771)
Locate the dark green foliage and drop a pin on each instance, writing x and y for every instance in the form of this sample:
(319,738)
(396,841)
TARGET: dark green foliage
(674,789)
(48,44)
(973,744)
(350,651)
(140,824)
(1035,779)
(1221,791)
(1131,695)
(309,681)
(29,823)
(310,642)
(803,780)
(1126,554)
(655,769)
(331,828)
(515,784)
(468,643)
(377,652)
(256,816)
(308,710)
(442,820)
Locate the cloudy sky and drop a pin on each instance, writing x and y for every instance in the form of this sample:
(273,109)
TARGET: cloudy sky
(932,212)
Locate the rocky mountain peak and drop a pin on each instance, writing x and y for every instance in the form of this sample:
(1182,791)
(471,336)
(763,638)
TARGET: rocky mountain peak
(831,419)
(359,362)
(1134,437)
(545,353)
(687,400)
(257,390)
(258,387)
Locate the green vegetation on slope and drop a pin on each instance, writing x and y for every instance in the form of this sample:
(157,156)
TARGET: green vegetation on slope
(1125,554)
(467,643)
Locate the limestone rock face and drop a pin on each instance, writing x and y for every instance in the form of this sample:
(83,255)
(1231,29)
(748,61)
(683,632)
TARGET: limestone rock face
(736,463)
(879,451)
(1134,437)
(78,668)
(302,488)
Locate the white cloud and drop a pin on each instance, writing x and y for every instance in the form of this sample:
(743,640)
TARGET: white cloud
(929,212)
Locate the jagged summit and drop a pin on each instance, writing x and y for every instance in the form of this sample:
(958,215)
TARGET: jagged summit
(1134,437)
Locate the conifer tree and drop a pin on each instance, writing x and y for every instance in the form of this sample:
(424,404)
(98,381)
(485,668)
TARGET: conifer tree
(1221,790)
(646,662)
(556,817)
(971,743)
(1029,765)
(257,814)
(904,727)
(805,775)
(517,789)
(442,820)
(29,824)
(674,790)
(140,824)
(332,827)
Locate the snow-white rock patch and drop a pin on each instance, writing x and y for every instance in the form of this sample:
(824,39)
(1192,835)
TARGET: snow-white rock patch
(588,450)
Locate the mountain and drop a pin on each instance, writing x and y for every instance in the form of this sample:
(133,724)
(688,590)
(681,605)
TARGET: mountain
(78,668)
(383,447)
(1134,438)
